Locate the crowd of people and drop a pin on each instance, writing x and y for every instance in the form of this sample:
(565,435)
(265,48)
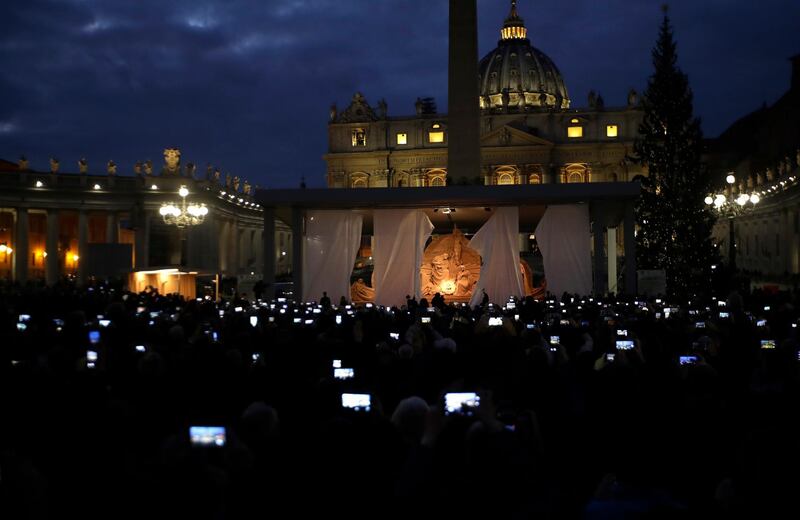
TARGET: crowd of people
(116,404)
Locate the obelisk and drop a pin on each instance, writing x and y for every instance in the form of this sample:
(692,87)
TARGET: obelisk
(463,133)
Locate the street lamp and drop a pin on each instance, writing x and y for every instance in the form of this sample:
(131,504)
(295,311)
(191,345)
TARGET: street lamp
(730,205)
(188,214)
(185,215)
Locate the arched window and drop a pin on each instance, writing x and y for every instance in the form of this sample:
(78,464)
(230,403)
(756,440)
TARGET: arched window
(437,181)
(360,183)
(574,177)
(505,178)
(535,179)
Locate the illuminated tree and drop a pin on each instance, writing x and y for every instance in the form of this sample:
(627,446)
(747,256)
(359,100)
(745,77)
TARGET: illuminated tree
(674,222)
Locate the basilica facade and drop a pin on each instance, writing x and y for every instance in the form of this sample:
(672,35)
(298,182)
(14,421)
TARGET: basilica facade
(530,134)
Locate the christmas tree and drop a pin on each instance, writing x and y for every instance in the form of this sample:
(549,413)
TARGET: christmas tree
(674,222)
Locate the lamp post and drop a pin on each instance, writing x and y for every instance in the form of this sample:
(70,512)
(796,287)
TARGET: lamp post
(730,205)
(187,215)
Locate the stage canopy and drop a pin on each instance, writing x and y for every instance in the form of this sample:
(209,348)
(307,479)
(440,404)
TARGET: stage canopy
(468,208)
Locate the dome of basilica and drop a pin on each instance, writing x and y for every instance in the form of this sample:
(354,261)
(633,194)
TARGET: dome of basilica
(517,76)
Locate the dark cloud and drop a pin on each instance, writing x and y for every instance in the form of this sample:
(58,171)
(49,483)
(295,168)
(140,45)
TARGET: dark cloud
(246,84)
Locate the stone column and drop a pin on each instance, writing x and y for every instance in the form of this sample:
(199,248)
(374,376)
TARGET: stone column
(21,252)
(143,243)
(463,139)
(298,237)
(268,256)
(112,228)
(598,225)
(83,246)
(611,248)
(51,272)
(630,250)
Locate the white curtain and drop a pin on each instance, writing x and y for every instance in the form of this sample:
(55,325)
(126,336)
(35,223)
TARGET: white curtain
(564,239)
(399,241)
(497,241)
(330,248)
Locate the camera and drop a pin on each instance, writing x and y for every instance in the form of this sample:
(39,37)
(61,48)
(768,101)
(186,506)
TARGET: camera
(495,321)
(624,344)
(555,340)
(461,403)
(357,402)
(687,360)
(767,344)
(343,373)
(207,436)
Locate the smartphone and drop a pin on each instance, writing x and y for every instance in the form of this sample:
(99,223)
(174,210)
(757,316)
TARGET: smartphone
(104,323)
(253,321)
(700,325)
(337,363)
(368,305)
(511,305)
(140,348)
(761,323)
(309,322)
(281,300)
(207,436)
(357,402)
(91,358)
(610,357)
(687,360)
(530,326)
(214,336)
(338,319)
(555,340)
(624,344)
(564,322)
(343,373)
(297,320)
(461,403)
(154,315)
(767,344)
(767,308)
(721,303)
(658,315)
(427,319)
(24,318)
(317,310)
(495,322)
(395,336)
(622,332)
(724,315)
(94,337)
(22,327)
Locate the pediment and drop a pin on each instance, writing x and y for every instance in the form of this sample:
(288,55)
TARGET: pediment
(508,135)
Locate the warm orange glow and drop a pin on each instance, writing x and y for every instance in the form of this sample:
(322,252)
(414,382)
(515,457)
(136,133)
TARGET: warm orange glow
(574,132)
(574,120)
(436,137)
(448,286)
(611,131)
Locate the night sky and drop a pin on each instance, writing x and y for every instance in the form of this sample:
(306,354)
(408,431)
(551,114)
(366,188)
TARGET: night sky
(246,85)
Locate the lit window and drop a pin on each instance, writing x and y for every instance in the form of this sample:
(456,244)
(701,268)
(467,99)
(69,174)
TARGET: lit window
(436,137)
(574,121)
(437,181)
(535,179)
(611,131)
(574,132)
(359,137)
(505,178)
(402,138)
